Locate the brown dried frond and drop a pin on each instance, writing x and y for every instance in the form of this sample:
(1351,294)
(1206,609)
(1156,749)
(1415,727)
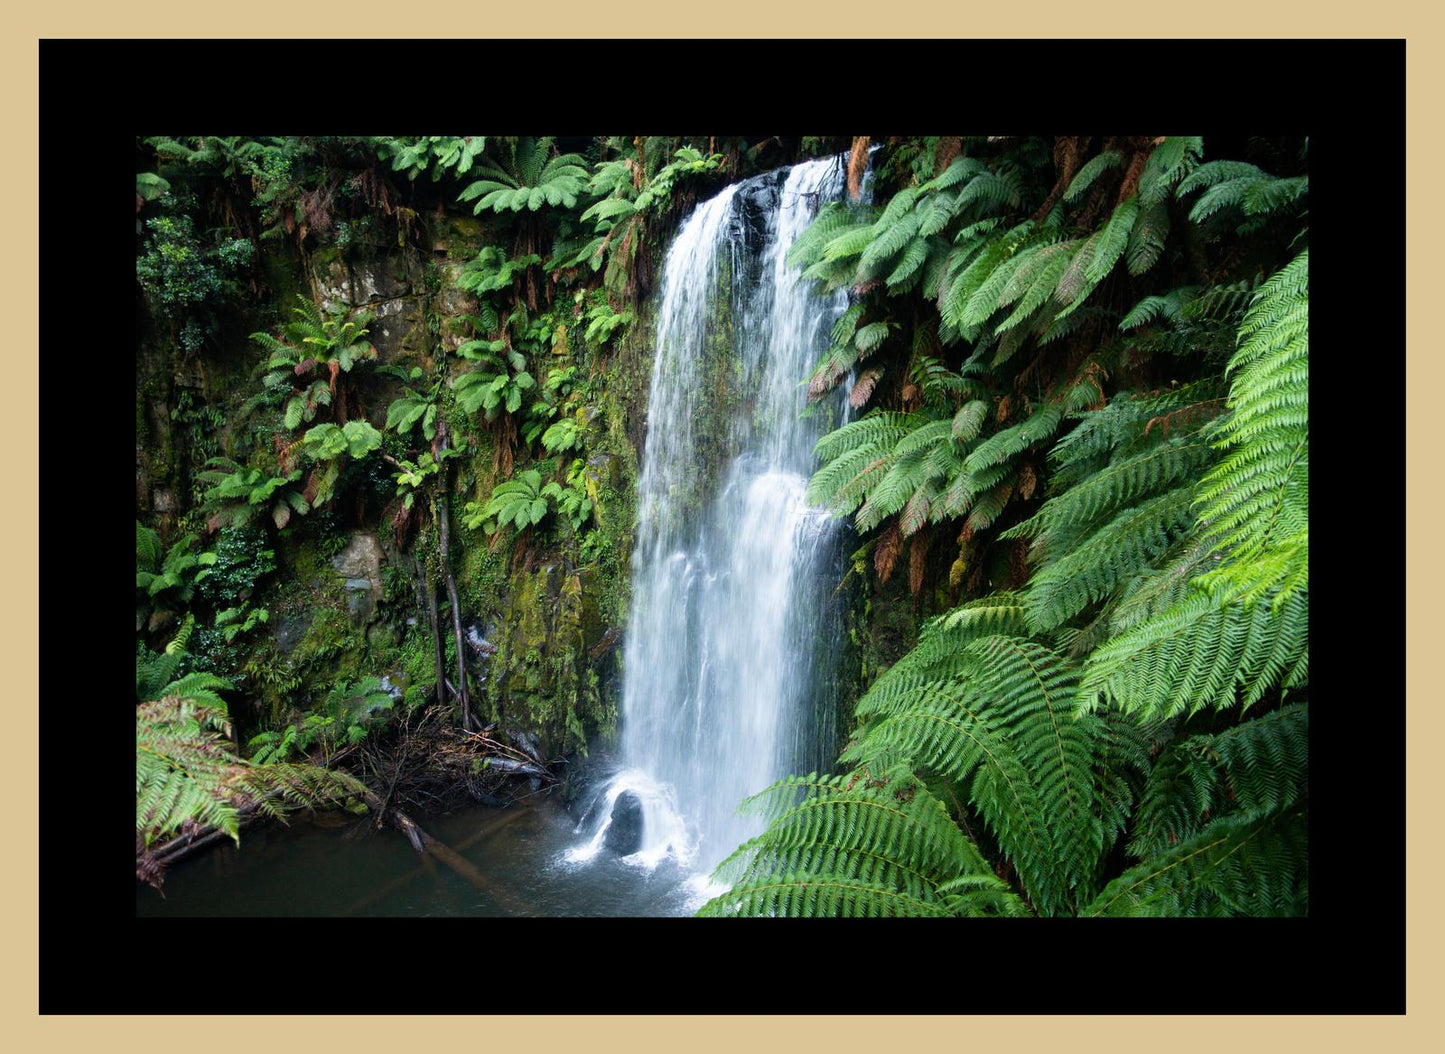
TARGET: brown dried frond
(857,165)
(504,431)
(1066,161)
(918,560)
(863,388)
(1133,172)
(1018,564)
(399,521)
(1093,373)
(374,189)
(1185,415)
(886,555)
(820,384)
(147,868)
(949,147)
(1004,405)
(1027,481)
(285,450)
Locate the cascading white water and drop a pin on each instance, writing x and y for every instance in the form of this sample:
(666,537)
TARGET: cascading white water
(729,648)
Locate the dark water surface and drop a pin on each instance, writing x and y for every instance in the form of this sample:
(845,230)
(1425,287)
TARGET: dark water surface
(512,862)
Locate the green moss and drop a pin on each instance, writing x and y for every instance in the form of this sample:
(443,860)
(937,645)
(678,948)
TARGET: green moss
(418,662)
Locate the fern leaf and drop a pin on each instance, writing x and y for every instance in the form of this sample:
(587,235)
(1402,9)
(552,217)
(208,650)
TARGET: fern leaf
(1248,865)
(1092,170)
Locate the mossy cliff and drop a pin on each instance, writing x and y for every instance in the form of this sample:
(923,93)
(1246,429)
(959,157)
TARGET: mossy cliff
(346,591)
(544,617)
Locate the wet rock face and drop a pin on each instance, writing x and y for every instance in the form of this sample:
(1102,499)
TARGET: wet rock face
(624,833)
(290,630)
(380,285)
(360,564)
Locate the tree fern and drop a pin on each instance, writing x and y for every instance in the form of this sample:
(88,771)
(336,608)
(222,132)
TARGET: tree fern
(1001,724)
(1259,767)
(188,778)
(1256,500)
(1200,654)
(1238,865)
(1092,568)
(858,847)
(528,177)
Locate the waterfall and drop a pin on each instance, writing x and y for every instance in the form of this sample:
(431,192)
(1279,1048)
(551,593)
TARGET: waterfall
(729,654)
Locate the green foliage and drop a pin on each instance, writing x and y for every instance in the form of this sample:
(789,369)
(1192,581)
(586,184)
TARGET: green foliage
(629,195)
(347,713)
(232,622)
(327,442)
(527,176)
(413,475)
(180,273)
(238,495)
(1256,500)
(854,846)
(243,561)
(573,503)
(1238,865)
(519,501)
(602,321)
(491,271)
(1204,651)
(1258,768)
(171,580)
(498,382)
(304,361)
(1237,185)
(434,154)
(188,778)
(414,408)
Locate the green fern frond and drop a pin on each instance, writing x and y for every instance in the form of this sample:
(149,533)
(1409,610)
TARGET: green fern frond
(1001,725)
(1113,239)
(1237,866)
(1166,307)
(147,548)
(1169,162)
(1203,652)
(1256,500)
(1260,767)
(1147,239)
(1117,486)
(1092,568)
(956,303)
(1092,170)
(1012,441)
(858,847)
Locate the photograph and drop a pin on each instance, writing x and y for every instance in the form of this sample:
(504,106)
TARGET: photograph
(723,525)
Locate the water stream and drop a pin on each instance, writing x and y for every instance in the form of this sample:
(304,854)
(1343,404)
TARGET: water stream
(731,640)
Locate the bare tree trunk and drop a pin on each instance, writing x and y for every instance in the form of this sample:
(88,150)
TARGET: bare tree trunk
(443,521)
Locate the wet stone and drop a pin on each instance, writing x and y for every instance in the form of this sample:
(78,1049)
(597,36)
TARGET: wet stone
(624,833)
